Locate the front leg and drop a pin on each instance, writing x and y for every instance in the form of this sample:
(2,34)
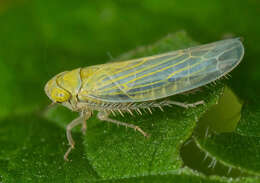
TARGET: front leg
(104,116)
(80,120)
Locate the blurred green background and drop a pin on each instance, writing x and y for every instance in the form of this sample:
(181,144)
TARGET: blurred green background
(39,39)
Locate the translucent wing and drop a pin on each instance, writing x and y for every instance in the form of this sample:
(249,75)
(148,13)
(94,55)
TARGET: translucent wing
(162,75)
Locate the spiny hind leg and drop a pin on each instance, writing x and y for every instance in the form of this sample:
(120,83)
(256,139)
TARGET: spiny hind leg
(181,104)
(104,116)
(80,120)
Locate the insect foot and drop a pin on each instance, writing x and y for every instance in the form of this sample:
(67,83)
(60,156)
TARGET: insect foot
(201,102)
(68,152)
(141,131)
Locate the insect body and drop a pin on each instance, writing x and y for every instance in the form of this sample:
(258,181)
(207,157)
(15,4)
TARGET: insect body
(137,84)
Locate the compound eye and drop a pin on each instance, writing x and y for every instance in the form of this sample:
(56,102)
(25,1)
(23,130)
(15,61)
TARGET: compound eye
(60,95)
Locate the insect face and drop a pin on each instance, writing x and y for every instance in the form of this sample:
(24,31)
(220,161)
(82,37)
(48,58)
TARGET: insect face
(56,93)
(60,95)
(64,87)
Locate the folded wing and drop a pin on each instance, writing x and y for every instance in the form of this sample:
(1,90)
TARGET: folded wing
(159,76)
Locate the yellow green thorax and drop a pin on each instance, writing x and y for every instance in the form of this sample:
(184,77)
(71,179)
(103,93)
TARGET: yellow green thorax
(88,85)
(70,81)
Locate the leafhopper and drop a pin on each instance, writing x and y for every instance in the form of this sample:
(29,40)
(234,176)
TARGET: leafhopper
(136,85)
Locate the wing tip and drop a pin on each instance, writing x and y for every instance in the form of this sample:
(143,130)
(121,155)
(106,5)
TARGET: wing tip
(239,42)
(241,46)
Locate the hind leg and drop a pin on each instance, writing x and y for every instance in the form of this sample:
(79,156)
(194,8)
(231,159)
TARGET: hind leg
(181,104)
(104,116)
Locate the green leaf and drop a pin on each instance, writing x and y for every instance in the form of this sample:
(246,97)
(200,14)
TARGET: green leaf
(32,149)
(182,175)
(228,148)
(233,143)
(249,124)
